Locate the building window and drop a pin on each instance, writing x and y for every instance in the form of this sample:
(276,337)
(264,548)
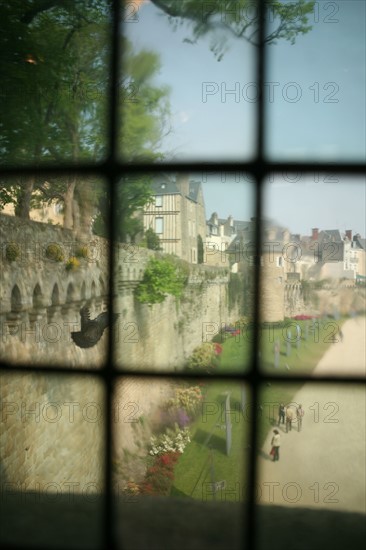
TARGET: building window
(158,201)
(159,225)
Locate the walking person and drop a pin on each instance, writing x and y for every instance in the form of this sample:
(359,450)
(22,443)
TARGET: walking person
(276,442)
(289,418)
(281,414)
(299,415)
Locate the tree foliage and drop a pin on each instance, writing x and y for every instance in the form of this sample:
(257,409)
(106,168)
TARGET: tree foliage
(237,18)
(145,107)
(161,277)
(152,240)
(53,109)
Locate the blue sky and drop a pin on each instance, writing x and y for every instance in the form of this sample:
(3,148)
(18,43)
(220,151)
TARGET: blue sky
(324,72)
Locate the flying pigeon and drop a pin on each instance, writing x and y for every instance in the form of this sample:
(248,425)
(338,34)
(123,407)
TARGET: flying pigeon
(91,329)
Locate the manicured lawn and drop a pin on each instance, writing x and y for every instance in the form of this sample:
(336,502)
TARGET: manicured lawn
(313,343)
(194,468)
(206,454)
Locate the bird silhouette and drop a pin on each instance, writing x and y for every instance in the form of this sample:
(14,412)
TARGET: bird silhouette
(91,329)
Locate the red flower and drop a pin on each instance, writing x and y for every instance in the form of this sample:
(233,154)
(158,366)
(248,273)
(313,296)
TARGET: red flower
(218,348)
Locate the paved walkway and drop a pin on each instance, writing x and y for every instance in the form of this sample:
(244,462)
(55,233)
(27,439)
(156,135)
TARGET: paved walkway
(324,465)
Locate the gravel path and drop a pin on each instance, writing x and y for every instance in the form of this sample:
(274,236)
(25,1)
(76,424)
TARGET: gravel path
(323,465)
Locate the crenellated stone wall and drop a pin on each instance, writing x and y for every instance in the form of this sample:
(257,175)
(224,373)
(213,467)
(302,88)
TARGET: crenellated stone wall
(162,336)
(51,431)
(40,299)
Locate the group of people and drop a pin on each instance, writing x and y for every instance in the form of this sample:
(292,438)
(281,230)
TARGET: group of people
(286,415)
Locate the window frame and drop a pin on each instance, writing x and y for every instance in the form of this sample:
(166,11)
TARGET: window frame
(159,219)
(112,169)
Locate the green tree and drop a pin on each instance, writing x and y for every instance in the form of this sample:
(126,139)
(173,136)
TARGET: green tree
(51,108)
(152,240)
(132,194)
(145,107)
(57,112)
(161,277)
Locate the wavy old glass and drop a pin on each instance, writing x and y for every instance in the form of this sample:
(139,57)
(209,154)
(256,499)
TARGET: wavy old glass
(52,460)
(313,298)
(315,81)
(54,87)
(184,297)
(188,83)
(180,450)
(319,478)
(55,272)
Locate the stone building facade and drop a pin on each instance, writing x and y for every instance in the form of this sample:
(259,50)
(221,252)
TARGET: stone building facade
(280,293)
(220,233)
(177,215)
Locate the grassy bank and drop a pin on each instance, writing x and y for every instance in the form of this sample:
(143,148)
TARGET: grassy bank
(205,457)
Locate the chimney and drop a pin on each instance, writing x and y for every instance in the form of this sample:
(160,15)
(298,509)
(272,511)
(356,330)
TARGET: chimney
(182,181)
(315,234)
(349,234)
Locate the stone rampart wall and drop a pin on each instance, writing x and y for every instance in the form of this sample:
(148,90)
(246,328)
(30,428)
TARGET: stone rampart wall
(51,434)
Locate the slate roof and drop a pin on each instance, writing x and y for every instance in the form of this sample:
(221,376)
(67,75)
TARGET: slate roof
(247,235)
(238,225)
(332,235)
(361,243)
(194,187)
(166,186)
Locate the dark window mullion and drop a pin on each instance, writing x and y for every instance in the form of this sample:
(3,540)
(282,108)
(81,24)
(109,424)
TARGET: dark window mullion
(112,177)
(260,171)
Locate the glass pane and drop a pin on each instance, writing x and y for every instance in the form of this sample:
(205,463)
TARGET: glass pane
(188,90)
(52,461)
(55,272)
(55,83)
(315,87)
(321,466)
(186,441)
(181,294)
(313,285)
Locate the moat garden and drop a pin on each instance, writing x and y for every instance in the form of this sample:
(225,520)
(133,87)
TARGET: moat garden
(189,454)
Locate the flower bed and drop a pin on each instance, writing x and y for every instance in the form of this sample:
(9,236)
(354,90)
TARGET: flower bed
(160,476)
(167,447)
(203,357)
(171,441)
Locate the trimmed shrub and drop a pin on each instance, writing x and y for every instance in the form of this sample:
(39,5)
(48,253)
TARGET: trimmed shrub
(82,252)
(12,252)
(72,264)
(54,252)
(203,357)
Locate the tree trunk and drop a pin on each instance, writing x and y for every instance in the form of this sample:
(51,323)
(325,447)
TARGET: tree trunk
(69,201)
(84,210)
(22,208)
